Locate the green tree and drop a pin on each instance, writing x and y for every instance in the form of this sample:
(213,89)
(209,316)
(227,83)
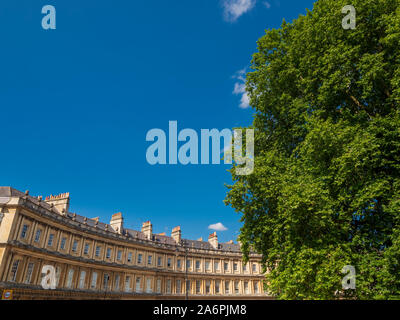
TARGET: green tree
(325,191)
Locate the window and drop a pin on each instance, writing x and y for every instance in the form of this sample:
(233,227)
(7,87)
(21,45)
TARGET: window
(119,255)
(197,265)
(140,258)
(82,280)
(86,249)
(51,238)
(188,264)
(117,278)
(14,270)
(106,279)
(198,286)
(254,267)
(227,287)
(246,287)
(75,246)
(169,286)
(29,273)
(208,284)
(207,265)
(24,231)
(127,284)
(94,280)
(217,286)
(216,265)
(138,284)
(159,261)
(70,277)
(179,263)
(169,262)
(108,254)
(37,236)
(148,285)
(237,287)
(130,257)
(255,285)
(178,286)
(63,242)
(149,260)
(235,266)
(158,285)
(98,250)
(226,266)
(245,267)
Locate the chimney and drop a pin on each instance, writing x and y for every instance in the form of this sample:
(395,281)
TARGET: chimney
(213,240)
(176,234)
(147,229)
(60,202)
(117,222)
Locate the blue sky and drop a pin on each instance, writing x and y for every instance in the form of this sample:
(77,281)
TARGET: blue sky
(76,102)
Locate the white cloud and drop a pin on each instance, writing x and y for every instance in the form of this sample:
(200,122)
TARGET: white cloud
(244,101)
(233,9)
(240,89)
(240,75)
(226,151)
(267,4)
(218,227)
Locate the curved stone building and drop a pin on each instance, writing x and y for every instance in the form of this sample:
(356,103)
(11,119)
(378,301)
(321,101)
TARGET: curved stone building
(93,260)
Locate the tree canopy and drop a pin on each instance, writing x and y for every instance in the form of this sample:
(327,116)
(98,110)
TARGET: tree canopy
(325,191)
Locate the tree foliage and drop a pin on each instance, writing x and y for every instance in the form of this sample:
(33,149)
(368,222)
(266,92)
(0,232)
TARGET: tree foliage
(325,191)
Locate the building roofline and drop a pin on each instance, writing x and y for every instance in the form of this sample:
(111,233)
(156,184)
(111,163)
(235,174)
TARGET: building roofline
(131,234)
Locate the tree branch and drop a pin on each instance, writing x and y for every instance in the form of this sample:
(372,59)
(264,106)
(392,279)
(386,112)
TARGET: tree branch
(358,103)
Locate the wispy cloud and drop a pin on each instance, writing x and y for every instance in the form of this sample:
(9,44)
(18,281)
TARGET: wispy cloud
(227,150)
(233,9)
(267,4)
(218,227)
(240,89)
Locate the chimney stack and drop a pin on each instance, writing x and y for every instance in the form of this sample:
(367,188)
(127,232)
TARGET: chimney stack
(147,229)
(213,240)
(177,234)
(60,202)
(117,222)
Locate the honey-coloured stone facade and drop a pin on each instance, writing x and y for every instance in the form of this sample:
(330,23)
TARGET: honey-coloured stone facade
(95,260)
